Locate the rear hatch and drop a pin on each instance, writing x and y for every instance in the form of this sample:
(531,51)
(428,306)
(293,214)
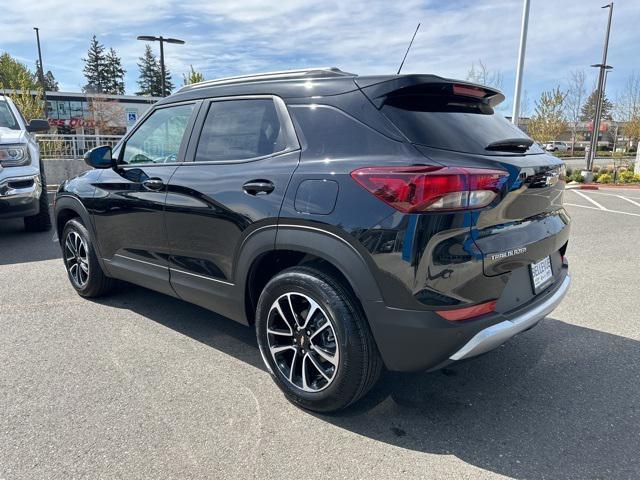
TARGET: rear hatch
(455,124)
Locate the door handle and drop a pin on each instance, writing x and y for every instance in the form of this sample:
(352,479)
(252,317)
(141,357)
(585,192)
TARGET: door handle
(153,184)
(255,187)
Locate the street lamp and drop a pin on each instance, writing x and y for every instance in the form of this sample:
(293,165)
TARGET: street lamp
(601,79)
(162,40)
(523,46)
(599,102)
(41,72)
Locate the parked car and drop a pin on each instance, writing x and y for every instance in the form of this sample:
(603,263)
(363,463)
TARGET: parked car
(23,189)
(556,146)
(356,222)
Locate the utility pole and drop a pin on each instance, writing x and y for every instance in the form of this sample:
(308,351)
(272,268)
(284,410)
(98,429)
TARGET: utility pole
(41,73)
(515,116)
(162,40)
(601,79)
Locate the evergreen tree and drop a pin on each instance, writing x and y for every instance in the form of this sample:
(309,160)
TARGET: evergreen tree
(149,79)
(192,77)
(50,83)
(589,108)
(168,83)
(115,73)
(94,67)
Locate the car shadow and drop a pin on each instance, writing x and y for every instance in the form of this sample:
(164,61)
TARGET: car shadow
(559,401)
(19,246)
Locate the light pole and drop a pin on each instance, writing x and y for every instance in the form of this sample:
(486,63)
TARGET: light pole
(523,46)
(162,40)
(41,73)
(601,78)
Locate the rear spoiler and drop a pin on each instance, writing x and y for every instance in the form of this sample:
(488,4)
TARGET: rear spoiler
(377,89)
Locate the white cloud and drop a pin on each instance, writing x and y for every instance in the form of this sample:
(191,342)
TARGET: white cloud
(365,36)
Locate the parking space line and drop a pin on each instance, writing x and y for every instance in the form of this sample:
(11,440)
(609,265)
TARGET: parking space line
(629,200)
(611,194)
(603,209)
(589,199)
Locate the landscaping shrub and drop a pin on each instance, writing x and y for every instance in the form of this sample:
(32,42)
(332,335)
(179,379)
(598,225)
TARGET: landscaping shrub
(627,177)
(605,178)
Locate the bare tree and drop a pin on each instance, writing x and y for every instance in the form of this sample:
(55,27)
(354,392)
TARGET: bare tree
(574,102)
(106,114)
(480,73)
(628,111)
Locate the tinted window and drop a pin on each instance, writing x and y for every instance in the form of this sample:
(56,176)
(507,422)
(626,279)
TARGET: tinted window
(158,138)
(449,122)
(240,129)
(7,120)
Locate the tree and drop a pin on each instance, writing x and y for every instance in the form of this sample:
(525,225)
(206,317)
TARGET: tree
(481,74)
(588,111)
(106,113)
(168,82)
(95,67)
(628,111)
(150,79)
(30,105)
(114,73)
(50,83)
(548,121)
(14,72)
(574,102)
(192,77)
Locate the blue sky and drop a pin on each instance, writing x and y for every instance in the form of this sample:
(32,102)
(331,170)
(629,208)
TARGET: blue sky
(363,36)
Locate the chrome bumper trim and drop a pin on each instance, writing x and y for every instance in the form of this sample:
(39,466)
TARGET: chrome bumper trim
(495,335)
(32,192)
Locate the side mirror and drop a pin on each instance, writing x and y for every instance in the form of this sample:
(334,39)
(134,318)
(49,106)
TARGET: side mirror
(99,157)
(38,126)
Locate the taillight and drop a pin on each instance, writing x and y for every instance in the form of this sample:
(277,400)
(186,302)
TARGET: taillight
(431,188)
(468,312)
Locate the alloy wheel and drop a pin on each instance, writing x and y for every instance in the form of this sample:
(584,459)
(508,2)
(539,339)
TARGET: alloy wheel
(77,259)
(302,342)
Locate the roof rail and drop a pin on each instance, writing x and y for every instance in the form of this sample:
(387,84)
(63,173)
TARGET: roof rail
(281,75)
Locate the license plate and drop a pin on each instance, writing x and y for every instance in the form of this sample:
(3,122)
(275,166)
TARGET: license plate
(541,274)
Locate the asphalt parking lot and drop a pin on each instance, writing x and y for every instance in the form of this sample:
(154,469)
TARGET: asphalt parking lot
(139,385)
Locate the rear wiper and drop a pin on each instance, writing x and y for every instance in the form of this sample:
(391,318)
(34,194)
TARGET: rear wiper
(510,145)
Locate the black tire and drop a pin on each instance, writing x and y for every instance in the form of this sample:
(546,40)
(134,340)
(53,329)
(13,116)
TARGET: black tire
(41,222)
(358,365)
(96,283)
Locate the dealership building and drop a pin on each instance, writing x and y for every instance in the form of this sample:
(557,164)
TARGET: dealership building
(88,114)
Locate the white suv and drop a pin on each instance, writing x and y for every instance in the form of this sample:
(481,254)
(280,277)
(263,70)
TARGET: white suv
(556,146)
(23,189)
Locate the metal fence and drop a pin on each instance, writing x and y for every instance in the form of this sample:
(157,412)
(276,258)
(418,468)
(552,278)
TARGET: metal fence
(72,146)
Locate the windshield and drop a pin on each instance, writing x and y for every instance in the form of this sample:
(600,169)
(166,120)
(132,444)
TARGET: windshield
(451,123)
(7,120)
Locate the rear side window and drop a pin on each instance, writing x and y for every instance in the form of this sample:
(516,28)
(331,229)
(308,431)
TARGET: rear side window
(240,129)
(450,122)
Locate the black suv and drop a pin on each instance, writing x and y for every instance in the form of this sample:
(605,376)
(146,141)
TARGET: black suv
(356,221)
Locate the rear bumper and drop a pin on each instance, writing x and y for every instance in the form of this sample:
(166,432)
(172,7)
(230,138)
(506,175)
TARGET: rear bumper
(495,335)
(411,340)
(19,196)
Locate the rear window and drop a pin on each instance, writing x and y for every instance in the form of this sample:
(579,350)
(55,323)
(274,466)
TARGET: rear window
(450,122)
